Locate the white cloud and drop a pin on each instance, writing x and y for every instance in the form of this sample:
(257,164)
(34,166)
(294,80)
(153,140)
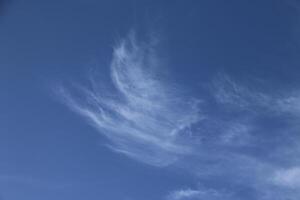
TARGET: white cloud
(228,92)
(148,119)
(141,115)
(184,194)
(236,134)
(287,177)
(289,103)
(198,194)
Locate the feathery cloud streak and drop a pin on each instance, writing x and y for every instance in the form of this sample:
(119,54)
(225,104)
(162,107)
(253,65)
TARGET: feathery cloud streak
(149,120)
(198,194)
(141,115)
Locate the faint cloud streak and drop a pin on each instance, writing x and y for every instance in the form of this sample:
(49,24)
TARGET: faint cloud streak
(141,115)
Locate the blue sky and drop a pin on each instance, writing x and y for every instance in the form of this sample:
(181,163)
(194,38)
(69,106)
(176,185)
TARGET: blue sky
(149,100)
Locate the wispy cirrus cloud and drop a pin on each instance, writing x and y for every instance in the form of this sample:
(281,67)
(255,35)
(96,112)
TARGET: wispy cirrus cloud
(234,95)
(142,115)
(253,146)
(153,121)
(272,135)
(237,96)
(289,177)
(184,194)
(198,194)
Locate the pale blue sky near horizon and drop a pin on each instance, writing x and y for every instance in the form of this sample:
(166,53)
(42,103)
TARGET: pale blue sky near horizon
(150,100)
